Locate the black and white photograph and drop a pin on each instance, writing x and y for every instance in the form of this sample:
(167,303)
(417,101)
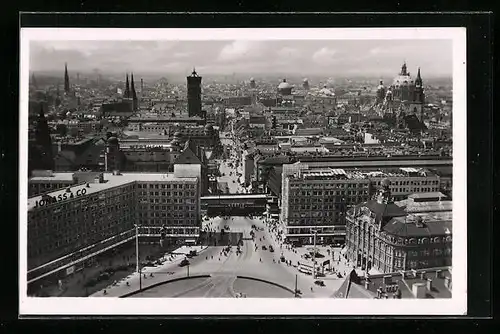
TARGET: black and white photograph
(243,171)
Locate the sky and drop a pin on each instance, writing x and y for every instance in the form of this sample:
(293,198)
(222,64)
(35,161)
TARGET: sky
(370,58)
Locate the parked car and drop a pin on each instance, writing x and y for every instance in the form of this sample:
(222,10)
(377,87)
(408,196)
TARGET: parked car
(264,247)
(320,283)
(184,263)
(282,258)
(271,249)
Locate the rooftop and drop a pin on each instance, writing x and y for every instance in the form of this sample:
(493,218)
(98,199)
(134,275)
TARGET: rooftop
(434,224)
(111,181)
(438,290)
(52,176)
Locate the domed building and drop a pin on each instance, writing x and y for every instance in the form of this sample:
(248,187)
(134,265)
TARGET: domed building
(305,84)
(284,88)
(326,92)
(252,83)
(330,83)
(404,100)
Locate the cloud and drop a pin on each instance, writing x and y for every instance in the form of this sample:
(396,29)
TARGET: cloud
(239,50)
(324,56)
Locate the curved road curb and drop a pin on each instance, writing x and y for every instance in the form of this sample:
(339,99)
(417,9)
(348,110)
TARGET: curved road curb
(162,283)
(268,282)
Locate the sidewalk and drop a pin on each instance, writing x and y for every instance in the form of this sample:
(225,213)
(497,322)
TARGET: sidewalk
(332,282)
(169,267)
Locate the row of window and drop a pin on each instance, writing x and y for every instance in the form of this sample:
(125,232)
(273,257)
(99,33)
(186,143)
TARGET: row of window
(168,222)
(166,186)
(168,193)
(352,234)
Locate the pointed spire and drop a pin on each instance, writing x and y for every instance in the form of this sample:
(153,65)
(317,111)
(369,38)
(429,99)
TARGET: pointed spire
(418,80)
(194,74)
(126,94)
(33,81)
(132,86)
(133,93)
(66,78)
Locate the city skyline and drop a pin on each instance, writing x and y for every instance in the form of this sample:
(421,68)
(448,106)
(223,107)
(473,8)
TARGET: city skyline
(336,58)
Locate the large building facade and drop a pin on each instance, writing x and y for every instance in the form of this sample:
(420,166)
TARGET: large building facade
(318,198)
(391,238)
(66,220)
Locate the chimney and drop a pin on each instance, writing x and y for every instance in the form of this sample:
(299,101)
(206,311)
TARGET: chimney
(447,282)
(429,284)
(419,290)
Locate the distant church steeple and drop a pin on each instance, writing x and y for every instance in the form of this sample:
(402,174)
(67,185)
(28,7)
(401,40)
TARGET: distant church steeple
(134,94)
(33,81)
(126,94)
(66,79)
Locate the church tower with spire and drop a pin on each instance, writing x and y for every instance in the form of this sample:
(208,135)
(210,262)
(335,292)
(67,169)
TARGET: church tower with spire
(133,93)
(126,93)
(66,79)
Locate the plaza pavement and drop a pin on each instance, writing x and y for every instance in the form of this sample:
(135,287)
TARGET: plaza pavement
(252,262)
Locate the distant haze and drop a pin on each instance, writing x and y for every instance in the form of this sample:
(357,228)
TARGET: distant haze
(299,58)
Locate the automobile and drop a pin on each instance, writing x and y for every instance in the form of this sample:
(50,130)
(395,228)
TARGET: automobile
(253,226)
(184,263)
(271,249)
(282,258)
(319,282)
(234,181)
(264,247)
(193,252)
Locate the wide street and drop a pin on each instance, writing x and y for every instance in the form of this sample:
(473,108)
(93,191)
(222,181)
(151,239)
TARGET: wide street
(229,174)
(252,262)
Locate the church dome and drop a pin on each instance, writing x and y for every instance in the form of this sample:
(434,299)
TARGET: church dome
(305,80)
(284,85)
(252,80)
(325,91)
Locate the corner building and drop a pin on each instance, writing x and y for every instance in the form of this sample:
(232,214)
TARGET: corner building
(391,238)
(68,220)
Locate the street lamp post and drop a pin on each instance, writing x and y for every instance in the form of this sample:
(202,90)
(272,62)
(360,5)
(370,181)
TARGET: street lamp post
(314,254)
(138,267)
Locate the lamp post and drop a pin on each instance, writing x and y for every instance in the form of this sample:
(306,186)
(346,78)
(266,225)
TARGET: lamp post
(315,231)
(138,267)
